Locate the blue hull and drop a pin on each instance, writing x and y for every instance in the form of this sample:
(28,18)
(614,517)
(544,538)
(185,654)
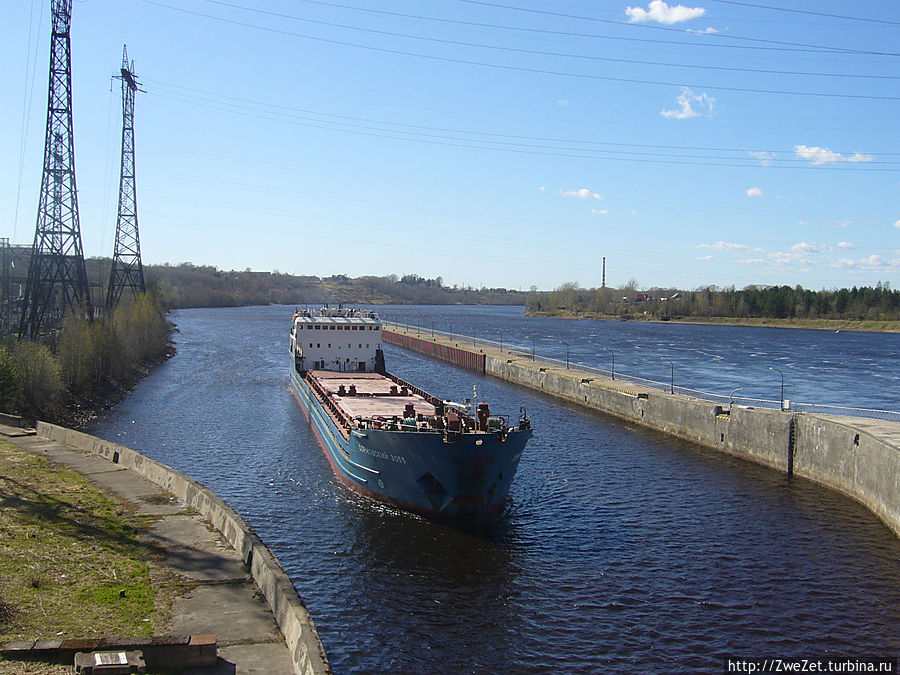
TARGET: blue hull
(418,470)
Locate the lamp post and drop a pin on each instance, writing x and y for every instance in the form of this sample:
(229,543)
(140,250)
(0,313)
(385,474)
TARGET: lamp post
(613,355)
(473,336)
(731,397)
(781,402)
(567,352)
(532,349)
(450,326)
(672,386)
(501,340)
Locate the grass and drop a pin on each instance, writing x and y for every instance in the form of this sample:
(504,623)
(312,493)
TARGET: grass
(72,564)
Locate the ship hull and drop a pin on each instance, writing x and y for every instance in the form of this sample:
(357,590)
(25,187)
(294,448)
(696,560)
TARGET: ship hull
(419,470)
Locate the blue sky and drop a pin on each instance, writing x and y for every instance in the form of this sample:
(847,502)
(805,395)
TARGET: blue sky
(492,143)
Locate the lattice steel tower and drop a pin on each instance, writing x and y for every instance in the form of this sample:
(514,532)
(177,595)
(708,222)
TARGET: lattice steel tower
(127,271)
(57,282)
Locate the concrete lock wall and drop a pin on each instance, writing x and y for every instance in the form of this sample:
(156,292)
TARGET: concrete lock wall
(295,623)
(845,454)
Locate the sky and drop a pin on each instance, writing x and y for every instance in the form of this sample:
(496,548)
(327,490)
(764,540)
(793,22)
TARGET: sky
(488,142)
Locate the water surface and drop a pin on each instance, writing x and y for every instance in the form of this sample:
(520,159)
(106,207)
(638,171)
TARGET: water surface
(621,550)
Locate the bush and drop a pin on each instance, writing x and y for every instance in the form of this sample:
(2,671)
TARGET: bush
(87,354)
(10,388)
(39,375)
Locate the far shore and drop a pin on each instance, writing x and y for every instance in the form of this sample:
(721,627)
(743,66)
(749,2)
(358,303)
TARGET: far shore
(811,324)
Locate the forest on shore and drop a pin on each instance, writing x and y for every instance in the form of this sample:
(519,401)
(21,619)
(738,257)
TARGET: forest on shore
(188,285)
(871,304)
(73,373)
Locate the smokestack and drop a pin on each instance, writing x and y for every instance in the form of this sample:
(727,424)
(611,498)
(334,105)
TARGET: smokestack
(603,284)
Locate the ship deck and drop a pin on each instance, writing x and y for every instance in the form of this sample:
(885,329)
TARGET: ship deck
(373,397)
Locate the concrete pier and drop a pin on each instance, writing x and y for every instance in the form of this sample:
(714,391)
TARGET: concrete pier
(858,457)
(228,570)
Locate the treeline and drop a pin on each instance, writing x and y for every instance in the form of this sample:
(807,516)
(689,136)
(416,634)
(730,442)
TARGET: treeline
(188,285)
(84,360)
(876,303)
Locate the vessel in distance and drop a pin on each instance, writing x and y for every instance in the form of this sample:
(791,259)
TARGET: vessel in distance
(386,438)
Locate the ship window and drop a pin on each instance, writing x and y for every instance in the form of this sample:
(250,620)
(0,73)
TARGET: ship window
(332,327)
(329,345)
(360,346)
(318,345)
(310,345)
(367,345)
(349,345)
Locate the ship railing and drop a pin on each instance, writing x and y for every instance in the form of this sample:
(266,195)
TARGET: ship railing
(528,353)
(342,417)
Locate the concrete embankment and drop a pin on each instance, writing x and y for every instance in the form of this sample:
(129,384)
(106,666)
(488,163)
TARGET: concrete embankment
(858,457)
(306,651)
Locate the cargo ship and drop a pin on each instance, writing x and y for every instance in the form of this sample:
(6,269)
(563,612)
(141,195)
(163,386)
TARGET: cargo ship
(386,438)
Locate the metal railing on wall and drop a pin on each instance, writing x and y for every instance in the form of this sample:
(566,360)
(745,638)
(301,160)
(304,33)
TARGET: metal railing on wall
(528,353)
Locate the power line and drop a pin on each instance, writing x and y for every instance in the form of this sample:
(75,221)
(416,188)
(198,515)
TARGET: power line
(368,129)
(809,12)
(842,50)
(544,31)
(211,96)
(524,69)
(537,52)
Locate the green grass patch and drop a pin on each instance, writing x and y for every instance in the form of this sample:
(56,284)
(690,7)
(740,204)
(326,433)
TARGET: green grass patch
(71,561)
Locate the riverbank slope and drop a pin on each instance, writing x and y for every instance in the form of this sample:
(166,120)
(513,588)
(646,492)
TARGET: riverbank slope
(812,324)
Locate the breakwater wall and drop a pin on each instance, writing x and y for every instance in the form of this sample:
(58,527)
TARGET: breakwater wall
(441,351)
(858,457)
(302,639)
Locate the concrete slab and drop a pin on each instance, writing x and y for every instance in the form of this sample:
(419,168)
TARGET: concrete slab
(199,564)
(235,612)
(249,660)
(186,531)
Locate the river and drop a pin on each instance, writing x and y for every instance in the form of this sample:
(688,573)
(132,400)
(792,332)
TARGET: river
(621,550)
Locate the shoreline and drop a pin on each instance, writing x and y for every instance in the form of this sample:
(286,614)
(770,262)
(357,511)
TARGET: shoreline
(859,326)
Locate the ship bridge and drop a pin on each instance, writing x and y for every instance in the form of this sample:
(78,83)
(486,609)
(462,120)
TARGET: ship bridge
(343,340)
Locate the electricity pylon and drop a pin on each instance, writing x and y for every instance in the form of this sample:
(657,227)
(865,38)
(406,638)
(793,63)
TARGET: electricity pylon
(57,282)
(127,271)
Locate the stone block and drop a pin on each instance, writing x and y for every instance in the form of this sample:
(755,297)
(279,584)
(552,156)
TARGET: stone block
(109,663)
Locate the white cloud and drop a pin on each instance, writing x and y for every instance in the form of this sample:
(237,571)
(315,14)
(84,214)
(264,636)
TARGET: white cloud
(542,188)
(722,246)
(873,263)
(660,12)
(754,192)
(804,247)
(785,258)
(705,257)
(690,105)
(706,31)
(751,261)
(841,224)
(765,158)
(583,193)
(897,224)
(818,155)
(600,212)
(845,244)
(633,212)
(563,102)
